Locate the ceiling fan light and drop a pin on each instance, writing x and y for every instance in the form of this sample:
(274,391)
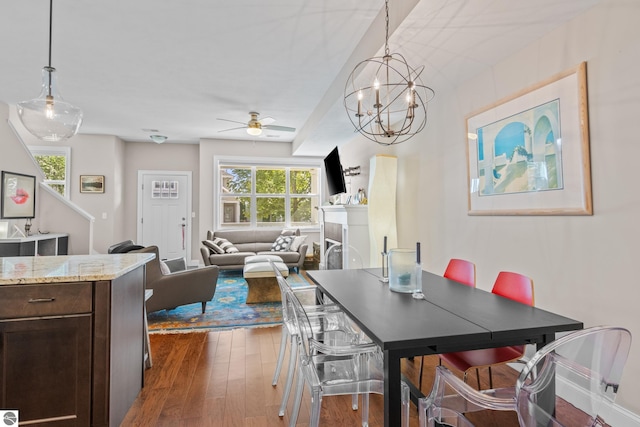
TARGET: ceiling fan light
(254,131)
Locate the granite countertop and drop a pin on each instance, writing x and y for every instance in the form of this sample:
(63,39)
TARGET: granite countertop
(68,268)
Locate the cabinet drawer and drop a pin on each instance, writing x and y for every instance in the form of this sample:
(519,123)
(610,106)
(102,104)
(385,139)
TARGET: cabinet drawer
(45,300)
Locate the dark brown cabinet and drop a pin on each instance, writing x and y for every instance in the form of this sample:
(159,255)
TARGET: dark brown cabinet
(71,354)
(46,370)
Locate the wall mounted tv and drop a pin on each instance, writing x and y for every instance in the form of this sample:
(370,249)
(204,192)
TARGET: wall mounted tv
(335,174)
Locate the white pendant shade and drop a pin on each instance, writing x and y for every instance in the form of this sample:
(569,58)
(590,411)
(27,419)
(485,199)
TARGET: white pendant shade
(49,117)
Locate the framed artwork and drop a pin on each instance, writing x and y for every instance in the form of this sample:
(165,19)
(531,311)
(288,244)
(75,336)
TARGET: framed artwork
(528,154)
(18,196)
(92,183)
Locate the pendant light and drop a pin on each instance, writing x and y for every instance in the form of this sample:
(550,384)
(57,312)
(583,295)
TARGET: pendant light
(48,116)
(385,98)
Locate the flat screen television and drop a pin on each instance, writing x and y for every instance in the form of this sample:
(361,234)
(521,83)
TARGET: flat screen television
(334,172)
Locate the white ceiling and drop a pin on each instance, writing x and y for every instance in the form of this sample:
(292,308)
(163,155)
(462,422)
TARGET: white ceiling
(178,66)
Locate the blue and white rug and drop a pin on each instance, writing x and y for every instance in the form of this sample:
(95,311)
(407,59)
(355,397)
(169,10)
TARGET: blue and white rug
(227,310)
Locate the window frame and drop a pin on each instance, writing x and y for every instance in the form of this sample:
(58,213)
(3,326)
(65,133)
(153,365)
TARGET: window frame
(41,150)
(270,162)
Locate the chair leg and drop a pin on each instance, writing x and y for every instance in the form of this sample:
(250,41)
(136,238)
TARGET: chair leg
(204,306)
(290,374)
(283,344)
(365,409)
(406,403)
(490,379)
(420,375)
(316,403)
(296,403)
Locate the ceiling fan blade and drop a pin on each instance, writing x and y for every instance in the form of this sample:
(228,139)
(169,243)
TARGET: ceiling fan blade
(233,121)
(280,128)
(225,130)
(266,120)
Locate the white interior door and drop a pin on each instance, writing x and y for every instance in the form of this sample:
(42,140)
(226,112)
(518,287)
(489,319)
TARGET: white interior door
(164,207)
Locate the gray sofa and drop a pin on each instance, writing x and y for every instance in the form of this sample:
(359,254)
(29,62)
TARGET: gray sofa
(251,242)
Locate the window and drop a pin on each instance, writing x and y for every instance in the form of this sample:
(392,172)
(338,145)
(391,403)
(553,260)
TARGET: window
(55,164)
(267,195)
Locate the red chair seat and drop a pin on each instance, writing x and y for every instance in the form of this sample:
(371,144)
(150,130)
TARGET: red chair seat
(463,360)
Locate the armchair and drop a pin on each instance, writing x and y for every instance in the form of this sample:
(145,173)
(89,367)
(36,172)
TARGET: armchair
(178,288)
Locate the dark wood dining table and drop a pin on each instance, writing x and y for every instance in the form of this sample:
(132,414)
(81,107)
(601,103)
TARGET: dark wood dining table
(452,317)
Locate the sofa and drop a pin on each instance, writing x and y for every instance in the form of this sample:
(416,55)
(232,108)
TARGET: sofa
(252,242)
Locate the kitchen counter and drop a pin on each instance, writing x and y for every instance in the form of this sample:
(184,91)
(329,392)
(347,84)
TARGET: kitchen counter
(72,333)
(70,268)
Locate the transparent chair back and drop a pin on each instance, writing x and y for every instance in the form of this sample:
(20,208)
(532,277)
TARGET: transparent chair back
(572,381)
(339,257)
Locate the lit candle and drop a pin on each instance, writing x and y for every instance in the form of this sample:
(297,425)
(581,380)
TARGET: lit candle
(376,86)
(385,245)
(418,252)
(359,103)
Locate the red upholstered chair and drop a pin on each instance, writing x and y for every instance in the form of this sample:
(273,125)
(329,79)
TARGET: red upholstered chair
(509,285)
(462,271)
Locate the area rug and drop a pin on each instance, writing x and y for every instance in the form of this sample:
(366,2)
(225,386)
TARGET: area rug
(227,310)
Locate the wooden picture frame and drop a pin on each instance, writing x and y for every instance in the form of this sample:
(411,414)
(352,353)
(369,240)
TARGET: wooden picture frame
(528,154)
(18,198)
(92,183)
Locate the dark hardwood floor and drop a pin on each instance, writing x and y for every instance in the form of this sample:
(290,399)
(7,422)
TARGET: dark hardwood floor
(224,379)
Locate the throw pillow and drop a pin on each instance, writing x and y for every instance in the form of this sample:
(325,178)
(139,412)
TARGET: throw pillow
(225,245)
(297,241)
(213,247)
(282,243)
(164,268)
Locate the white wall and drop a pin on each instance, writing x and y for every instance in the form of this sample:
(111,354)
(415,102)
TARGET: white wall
(165,157)
(51,215)
(582,266)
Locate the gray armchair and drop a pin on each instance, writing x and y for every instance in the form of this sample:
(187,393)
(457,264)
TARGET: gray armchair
(178,288)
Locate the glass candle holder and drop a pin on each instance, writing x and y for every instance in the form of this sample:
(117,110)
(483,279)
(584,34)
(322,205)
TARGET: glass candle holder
(385,267)
(402,270)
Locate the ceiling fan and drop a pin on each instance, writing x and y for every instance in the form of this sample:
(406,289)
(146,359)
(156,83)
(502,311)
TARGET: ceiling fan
(254,126)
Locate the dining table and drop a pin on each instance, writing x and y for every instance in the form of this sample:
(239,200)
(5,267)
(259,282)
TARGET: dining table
(450,317)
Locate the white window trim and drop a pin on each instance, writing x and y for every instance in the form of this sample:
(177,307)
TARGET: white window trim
(284,162)
(43,150)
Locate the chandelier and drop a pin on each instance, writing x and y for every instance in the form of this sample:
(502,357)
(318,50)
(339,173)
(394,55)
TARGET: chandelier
(48,116)
(385,98)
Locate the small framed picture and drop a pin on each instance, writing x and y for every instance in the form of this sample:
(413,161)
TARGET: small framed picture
(92,183)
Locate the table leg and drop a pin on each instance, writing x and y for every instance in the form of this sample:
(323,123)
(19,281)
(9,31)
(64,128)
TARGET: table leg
(392,391)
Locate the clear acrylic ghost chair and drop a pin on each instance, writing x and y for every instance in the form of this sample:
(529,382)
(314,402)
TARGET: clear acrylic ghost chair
(339,257)
(572,381)
(336,366)
(322,318)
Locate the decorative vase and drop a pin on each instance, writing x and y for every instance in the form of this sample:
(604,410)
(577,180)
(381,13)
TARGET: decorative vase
(402,270)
